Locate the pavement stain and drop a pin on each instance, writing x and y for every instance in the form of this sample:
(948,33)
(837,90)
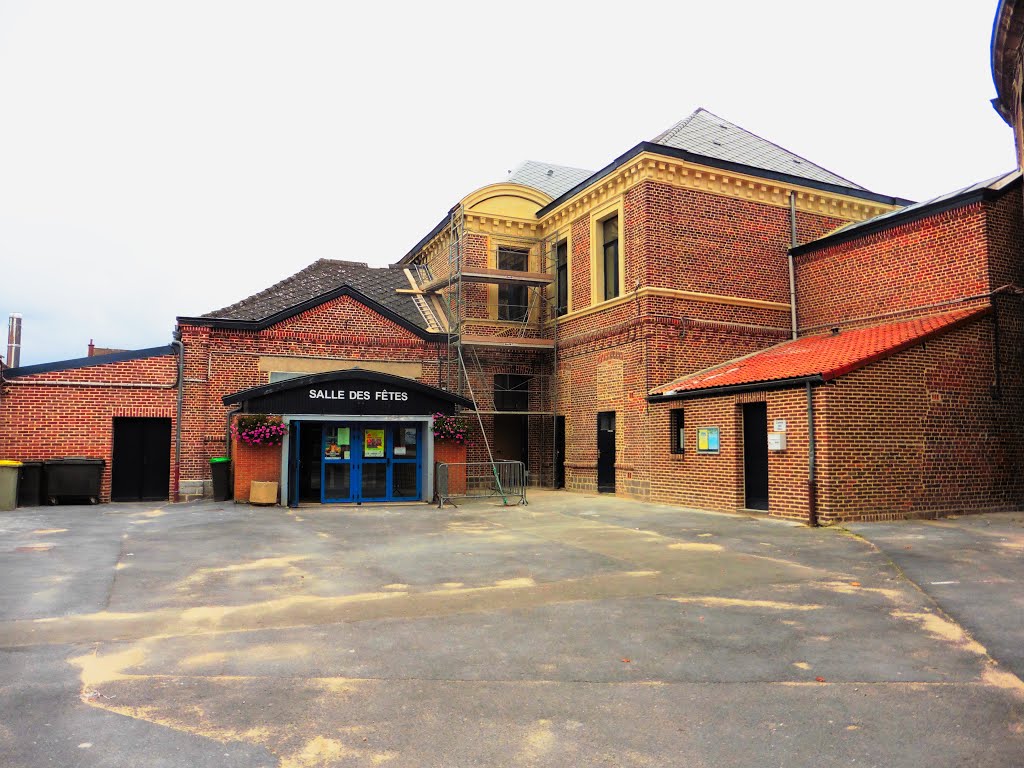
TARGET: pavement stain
(694,546)
(733,602)
(538,741)
(163,700)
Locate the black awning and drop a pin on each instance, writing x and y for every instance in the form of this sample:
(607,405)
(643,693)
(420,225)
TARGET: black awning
(353,391)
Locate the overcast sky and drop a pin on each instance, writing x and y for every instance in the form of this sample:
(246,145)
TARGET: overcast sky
(165,158)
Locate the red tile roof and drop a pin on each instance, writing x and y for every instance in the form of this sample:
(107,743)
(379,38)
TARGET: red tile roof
(826,356)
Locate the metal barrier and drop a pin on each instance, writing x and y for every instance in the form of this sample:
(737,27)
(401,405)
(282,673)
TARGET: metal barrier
(481,480)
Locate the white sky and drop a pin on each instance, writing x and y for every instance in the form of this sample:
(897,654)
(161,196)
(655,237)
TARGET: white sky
(164,158)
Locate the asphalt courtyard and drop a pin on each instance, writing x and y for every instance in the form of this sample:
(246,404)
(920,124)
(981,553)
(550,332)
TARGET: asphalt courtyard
(576,631)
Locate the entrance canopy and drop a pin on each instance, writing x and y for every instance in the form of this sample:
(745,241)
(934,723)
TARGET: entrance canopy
(349,392)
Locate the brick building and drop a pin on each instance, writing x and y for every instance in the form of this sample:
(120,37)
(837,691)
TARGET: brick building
(709,320)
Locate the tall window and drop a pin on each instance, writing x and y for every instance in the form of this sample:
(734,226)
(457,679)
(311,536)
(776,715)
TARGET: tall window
(511,392)
(610,244)
(512,302)
(562,278)
(678,438)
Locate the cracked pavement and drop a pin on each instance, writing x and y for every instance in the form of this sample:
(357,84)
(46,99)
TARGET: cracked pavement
(578,630)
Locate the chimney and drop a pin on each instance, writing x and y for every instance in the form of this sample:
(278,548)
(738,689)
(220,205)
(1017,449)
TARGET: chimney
(14,341)
(92,349)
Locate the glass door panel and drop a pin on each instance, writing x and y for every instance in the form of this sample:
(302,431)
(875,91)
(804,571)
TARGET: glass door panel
(337,481)
(340,462)
(376,457)
(405,461)
(405,481)
(375,481)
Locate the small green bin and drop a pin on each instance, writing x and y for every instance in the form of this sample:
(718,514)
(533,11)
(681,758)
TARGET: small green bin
(9,471)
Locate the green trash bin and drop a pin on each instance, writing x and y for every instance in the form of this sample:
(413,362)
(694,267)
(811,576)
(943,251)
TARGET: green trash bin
(9,471)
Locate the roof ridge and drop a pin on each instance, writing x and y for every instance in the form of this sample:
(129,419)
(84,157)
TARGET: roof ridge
(675,129)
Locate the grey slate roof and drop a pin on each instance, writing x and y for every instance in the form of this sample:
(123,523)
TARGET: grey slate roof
(553,180)
(995,183)
(705,133)
(320,277)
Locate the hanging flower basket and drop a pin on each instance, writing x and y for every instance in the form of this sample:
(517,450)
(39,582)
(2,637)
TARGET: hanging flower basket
(259,429)
(449,428)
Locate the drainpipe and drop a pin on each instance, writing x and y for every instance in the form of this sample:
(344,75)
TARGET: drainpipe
(812,448)
(177,423)
(812,460)
(793,243)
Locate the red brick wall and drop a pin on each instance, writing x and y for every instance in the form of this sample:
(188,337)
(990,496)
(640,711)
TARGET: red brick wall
(920,434)
(221,361)
(716,481)
(608,360)
(71,412)
(1004,225)
(254,462)
(917,264)
(707,243)
(916,435)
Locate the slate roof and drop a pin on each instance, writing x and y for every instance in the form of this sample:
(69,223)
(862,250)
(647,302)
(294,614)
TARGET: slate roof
(705,133)
(942,202)
(827,357)
(320,277)
(553,180)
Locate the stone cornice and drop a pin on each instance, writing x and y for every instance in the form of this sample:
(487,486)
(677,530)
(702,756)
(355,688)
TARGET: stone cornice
(684,174)
(492,224)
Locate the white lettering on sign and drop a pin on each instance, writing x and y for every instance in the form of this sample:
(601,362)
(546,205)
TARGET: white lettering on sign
(358,394)
(326,394)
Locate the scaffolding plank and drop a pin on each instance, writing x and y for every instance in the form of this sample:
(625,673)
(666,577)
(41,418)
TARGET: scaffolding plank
(492,276)
(506,341)
(506,277)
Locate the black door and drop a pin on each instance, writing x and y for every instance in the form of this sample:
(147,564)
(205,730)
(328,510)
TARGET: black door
(310,457)
(559,451)
(294,462)
(755,455)
(141,466)
(606,452)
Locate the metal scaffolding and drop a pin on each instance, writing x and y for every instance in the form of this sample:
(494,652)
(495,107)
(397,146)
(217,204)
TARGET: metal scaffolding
(500,322)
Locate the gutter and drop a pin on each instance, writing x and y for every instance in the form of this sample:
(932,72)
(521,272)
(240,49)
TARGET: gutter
(906,216)
(725,165)
(733,389)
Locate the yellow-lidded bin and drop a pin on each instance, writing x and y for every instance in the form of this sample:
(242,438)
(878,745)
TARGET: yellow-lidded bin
(9,471)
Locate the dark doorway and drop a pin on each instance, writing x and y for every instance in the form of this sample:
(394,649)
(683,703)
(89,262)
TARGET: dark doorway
(559,451)
(310,456)
(755,455)
(511,438)
(606,452)
(141,465)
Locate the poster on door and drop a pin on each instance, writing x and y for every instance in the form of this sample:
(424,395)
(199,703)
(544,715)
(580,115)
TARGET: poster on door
(373,443)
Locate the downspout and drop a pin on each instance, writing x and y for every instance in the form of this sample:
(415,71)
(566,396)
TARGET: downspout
(812,461)
(177,422)
(812,448)
(794,241)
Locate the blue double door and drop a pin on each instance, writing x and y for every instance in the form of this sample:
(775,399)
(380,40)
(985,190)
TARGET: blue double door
(357,461)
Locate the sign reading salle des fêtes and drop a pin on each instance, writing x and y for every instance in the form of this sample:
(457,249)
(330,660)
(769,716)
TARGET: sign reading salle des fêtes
(386,395)
(353,396)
